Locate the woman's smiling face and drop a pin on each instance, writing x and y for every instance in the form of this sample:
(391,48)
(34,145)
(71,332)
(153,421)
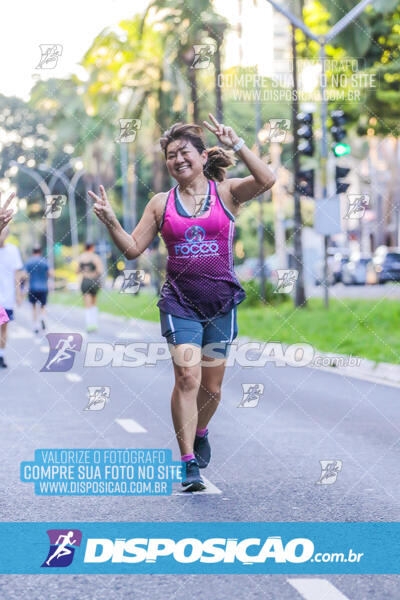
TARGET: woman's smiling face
(184,161)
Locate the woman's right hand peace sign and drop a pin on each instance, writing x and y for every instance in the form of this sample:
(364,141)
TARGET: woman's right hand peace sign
(102,208)
(6,213)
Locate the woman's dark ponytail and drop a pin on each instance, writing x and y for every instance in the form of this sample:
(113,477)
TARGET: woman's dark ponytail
(217,162)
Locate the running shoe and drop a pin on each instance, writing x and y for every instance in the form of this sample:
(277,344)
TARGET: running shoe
(193,481)
(202,450)
(2,363)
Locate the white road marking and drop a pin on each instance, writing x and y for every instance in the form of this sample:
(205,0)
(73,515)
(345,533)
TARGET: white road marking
(131,426)
(316,589)
(25,363)
(210,489)
(114,318)
(130,335)
(19,333)
(74,377)
(53,326)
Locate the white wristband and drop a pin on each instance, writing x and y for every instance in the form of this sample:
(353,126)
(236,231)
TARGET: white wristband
(238,145)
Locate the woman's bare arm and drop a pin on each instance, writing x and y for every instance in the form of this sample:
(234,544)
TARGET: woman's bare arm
(6,213)
(131,245)
(261,179)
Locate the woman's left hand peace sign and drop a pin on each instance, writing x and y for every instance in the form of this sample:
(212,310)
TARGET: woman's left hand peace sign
(225,134)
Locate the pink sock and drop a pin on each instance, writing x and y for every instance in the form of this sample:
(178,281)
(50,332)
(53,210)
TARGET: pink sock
(201,432)
(187,457)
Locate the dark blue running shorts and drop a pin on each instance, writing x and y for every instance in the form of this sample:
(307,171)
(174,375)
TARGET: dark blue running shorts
(214,336)
(40,297)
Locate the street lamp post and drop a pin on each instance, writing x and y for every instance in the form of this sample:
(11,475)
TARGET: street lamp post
(261,252)
(60,174)
(49,223)
(324,164)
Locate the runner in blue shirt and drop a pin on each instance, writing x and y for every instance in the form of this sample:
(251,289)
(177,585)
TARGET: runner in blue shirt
(37,268)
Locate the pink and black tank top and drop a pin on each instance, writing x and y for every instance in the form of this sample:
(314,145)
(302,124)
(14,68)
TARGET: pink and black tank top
(201,283)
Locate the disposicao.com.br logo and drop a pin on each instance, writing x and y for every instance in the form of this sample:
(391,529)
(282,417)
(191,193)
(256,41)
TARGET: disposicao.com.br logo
(248,551)
(62,547)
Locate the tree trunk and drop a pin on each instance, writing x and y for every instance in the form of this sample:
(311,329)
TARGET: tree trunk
(218,91)
(191,74)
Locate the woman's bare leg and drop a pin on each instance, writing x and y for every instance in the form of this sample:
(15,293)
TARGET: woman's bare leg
(209,394)
(186,361)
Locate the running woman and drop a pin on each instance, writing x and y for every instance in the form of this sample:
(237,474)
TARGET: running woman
(90,268)
(198,301)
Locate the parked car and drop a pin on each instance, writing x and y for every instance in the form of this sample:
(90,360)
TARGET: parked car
(339,263)
(250,268)
(357,270)
(386,263)
(336,263)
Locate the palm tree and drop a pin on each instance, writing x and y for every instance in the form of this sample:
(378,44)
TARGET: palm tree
(127,67)
(183,27)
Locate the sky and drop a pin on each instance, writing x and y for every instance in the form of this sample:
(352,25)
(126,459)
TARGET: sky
(75,24)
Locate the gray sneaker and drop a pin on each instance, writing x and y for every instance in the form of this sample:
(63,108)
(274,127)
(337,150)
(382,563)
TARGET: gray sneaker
(192,479)
(202,450)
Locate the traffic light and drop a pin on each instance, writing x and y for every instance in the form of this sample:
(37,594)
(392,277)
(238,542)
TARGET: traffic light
(305,183)
(305,133)
(339,120)
(341,149)
(338,133)
(341,186)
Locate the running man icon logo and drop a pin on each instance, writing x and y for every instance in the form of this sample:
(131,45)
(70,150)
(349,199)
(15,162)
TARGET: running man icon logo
(195,234)
(329,471)
(62,547)
(63,347)
(50,54)
(98,397)
(251,394)
(286,280)
(128,129)
(133,278)
(357,204)
(202,55)
(278,129)
(54,206)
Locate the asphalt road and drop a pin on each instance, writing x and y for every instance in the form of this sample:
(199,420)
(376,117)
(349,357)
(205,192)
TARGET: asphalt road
(265,459)
(390,291)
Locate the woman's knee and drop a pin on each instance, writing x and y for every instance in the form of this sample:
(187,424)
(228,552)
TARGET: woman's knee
(187,380)
(212,388)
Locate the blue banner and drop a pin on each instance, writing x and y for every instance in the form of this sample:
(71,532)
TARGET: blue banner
(218,547)
(102,472)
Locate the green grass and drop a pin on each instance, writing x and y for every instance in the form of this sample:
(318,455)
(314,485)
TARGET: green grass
(366,328)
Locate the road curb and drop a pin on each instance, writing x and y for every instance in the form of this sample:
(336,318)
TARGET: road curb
(360,368)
